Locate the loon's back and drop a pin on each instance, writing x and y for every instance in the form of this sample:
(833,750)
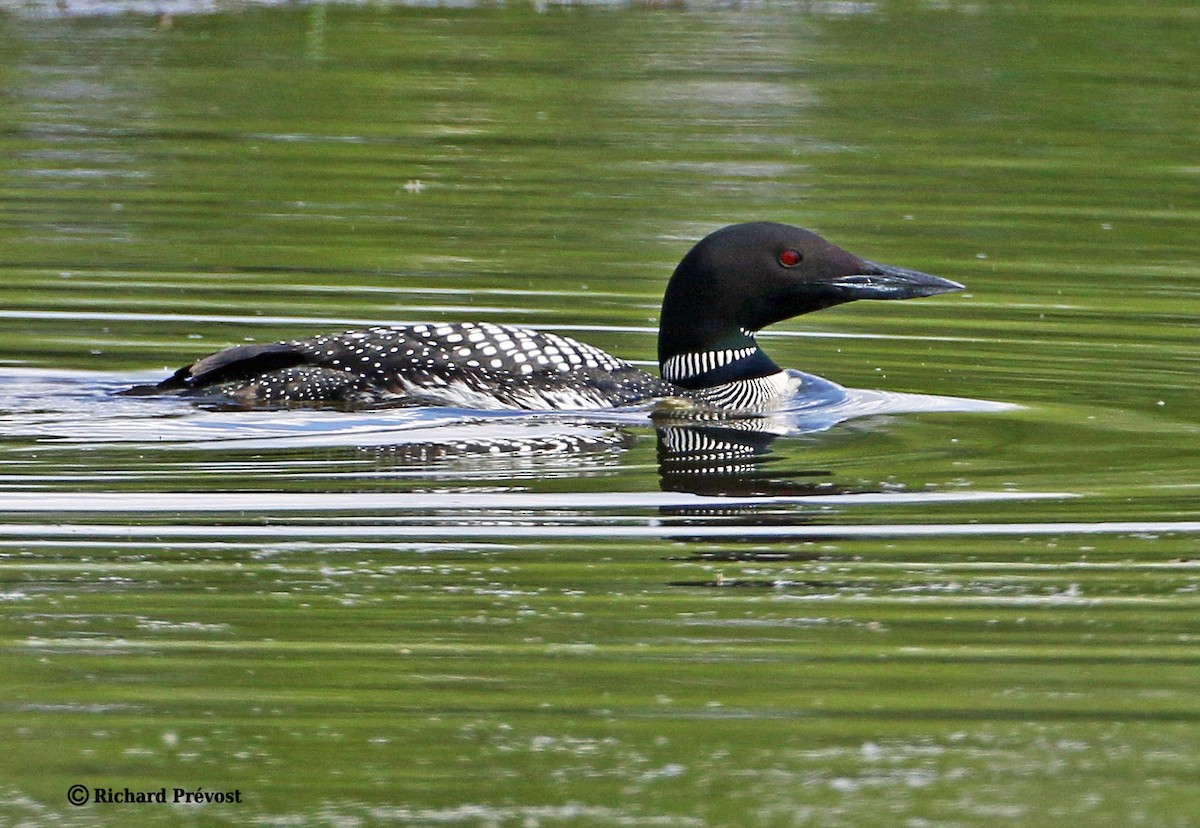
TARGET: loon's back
(470,365)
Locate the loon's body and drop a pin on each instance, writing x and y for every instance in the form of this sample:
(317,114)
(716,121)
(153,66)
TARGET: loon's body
(470,365)
(730,285)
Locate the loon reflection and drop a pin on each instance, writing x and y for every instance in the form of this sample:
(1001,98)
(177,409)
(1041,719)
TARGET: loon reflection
(732,458)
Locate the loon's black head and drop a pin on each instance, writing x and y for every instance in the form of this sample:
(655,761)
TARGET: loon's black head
(744,277)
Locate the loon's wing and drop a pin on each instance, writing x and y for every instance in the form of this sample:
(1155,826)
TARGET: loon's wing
(240,362)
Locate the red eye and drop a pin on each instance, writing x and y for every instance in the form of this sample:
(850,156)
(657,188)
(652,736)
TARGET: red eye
(790,257)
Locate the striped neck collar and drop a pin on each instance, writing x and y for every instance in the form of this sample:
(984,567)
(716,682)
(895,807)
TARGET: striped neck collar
(754,394)
(719,366)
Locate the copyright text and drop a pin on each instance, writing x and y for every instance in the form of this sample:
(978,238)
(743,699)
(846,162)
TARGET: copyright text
(82,795)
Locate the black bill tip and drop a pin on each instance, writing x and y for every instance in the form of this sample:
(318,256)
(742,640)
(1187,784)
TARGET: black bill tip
(879,281)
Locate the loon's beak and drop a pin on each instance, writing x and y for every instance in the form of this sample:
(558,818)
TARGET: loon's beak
(880,281)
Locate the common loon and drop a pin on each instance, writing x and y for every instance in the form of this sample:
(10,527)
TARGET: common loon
(733,283)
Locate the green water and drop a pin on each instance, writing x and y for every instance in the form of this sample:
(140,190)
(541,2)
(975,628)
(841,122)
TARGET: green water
(550,638)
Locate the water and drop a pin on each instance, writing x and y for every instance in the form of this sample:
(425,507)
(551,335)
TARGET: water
(959,587)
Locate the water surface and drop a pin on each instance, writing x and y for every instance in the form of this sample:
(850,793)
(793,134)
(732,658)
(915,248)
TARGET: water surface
(889,609)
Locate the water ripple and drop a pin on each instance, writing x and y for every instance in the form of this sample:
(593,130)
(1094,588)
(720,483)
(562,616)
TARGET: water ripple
(79,407)
(523,530)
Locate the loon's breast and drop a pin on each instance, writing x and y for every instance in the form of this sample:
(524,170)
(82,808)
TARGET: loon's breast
(470,365)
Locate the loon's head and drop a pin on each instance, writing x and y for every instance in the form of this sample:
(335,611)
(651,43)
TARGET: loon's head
(741,278)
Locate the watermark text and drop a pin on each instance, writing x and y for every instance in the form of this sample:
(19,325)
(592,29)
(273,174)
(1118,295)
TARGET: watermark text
(82,795)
